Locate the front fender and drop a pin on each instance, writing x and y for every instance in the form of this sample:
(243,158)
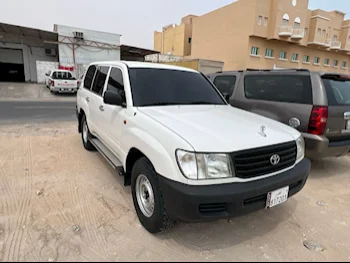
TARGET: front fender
(163,159)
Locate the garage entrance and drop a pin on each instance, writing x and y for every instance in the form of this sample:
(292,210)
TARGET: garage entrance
(11,65)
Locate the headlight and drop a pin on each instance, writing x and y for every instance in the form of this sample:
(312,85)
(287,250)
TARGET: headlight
(204,166)
(300,147)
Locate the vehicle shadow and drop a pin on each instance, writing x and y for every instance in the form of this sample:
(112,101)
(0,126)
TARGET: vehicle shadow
(329,167)
(228,233)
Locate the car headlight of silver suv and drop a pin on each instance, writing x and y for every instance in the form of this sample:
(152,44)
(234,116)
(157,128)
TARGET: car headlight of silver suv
(199,166)
(300,148)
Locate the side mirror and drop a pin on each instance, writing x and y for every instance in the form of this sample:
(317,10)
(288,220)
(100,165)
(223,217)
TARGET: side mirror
(226,96)
(113,98)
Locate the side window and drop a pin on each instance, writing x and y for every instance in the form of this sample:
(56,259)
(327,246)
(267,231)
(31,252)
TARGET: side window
(100,79)
(55,75)
(115,82)
(225,84)
(89,76)
(279,88)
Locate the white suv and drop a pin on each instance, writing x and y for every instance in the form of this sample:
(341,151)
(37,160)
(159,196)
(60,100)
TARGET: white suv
(187,154)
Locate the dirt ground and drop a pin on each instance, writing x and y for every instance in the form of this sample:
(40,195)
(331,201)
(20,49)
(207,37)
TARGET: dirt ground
(59,202)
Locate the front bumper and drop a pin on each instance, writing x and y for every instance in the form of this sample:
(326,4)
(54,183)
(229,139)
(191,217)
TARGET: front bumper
(319,147)
(212,202)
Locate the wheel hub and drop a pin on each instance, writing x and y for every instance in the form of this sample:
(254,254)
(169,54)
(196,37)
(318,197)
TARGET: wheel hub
(145,195)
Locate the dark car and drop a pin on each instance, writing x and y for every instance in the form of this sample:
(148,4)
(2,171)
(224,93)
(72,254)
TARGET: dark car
(315,103)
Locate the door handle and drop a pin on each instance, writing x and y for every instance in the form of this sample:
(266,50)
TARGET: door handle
(101,108)
(87,99)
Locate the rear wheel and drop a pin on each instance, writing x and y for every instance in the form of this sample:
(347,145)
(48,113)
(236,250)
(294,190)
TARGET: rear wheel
(85,134)
(147,197)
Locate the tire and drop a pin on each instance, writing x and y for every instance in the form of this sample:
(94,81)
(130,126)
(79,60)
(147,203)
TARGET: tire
(158,220)
(85,134)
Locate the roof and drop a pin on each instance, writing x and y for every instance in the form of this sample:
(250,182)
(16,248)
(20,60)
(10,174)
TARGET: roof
(7,29)
(137,51)
(136,64)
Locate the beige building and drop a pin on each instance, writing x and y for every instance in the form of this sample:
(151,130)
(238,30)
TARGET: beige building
(266,34)
(175,39)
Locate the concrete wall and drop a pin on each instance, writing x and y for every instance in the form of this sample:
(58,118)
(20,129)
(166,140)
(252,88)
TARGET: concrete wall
(33,50)
(43,67)
(83,54)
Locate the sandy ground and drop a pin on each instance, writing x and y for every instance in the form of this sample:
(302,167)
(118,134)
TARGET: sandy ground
(59,202)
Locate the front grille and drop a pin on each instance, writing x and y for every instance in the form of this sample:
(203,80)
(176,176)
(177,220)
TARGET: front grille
(256,162)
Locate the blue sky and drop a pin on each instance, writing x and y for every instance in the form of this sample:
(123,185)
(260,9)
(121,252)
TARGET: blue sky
(136,20)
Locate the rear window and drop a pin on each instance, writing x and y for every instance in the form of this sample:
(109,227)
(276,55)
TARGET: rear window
(282,88)
(338,92)
(62,75)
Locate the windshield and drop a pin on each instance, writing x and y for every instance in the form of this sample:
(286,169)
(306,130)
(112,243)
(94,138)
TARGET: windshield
(338,92)
(152,87)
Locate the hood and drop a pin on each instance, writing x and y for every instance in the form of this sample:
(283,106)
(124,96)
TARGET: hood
(213,128)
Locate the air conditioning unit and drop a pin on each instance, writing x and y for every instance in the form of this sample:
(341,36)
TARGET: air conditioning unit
(79,35)
(50,52)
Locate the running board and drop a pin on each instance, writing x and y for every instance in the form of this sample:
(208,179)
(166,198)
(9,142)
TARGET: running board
(106,153)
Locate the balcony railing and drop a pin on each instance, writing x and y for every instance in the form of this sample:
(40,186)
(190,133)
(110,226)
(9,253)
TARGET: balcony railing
(333,44)
(285,31)
(298,33)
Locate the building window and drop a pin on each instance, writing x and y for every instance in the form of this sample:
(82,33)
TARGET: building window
(319,31)
(266,20)
(323,32)
(335,38)
(285,20)
(335,63)
(189,40)
(283,55)
(306,31)
(316,60)
(349,40)
(343,64)
(295,57)
(269,53)
(296,23)
(254,51)
(259,20)
(326,61)
(306,59)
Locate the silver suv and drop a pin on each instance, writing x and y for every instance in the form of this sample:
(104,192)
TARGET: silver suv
(315,103)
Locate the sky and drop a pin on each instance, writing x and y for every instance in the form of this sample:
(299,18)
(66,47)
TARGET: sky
(135,20)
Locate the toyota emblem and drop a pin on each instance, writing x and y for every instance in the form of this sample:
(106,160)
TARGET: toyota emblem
(275,159)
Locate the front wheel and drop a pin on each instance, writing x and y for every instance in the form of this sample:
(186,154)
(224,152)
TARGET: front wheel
(147,197)
(85,134)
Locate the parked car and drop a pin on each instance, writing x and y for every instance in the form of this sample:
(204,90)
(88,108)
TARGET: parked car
(61,81)
(187,154)
(316,104)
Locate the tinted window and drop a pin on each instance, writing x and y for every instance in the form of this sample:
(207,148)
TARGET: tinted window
(100,79)
(171,87)
(115,81)
(338,92)
(89,76)
(62,75)
(225,84)
(283,88)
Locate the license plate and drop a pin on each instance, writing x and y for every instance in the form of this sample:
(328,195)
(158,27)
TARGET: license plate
(277,197)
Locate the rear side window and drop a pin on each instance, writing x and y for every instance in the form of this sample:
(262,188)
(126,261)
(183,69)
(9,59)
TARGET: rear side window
(282,88)
(100,79)
(89,77)
(225,84)
(338,92)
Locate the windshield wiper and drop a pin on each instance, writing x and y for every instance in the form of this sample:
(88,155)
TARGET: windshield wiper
(160,104)
(203,102)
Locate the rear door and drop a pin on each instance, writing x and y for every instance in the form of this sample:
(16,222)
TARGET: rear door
(65,81)
(338,95)
(283,96)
